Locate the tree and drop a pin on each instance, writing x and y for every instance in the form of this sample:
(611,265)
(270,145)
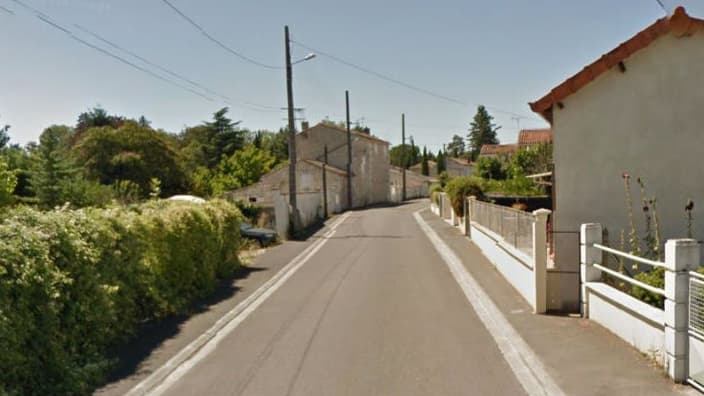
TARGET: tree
(131,153)
(402,155)
(243,168)
(456,147)
(4,136)
(481,131)
(52,167)
(490,168)
(440,159)
(414,154)
(97,117)
(424,168)
(8,182)
(224,136)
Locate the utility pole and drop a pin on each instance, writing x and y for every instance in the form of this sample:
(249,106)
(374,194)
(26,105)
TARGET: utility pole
(403,154)
(325,184)
(349,151)
(291,137)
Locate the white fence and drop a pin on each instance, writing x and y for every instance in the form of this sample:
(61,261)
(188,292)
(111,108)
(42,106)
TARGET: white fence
(515,242)
(673,335)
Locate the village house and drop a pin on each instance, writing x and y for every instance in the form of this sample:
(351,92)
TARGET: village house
(497,150)
(456,167)
(534,137)
(417,185)
(637,110)
(432,168)
(369,173)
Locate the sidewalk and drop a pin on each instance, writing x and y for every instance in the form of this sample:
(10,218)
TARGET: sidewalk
(581,356)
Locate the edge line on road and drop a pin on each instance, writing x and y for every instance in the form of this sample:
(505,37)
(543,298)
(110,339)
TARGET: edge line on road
(525,364)
(178,365)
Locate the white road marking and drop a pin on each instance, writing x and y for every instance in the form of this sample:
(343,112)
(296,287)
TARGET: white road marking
(176,367)
(524,363)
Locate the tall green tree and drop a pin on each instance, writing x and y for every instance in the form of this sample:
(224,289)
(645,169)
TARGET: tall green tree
(441,161)
(243,168)
(402,155)
(97,117)
(414,154)
(225,137)
(424,168)
(481,131)
(52,167)
(8,182)
(4,136)
(131,153)
(456,148)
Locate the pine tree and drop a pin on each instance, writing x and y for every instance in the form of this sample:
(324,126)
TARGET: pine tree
(424,169)
(481,131)
(441,161)
(52,167)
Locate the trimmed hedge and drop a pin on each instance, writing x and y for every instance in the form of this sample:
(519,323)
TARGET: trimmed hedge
(459,188)
(74,283)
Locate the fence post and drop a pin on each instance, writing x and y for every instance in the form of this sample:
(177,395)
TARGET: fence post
(681,256)
(469,205)
(589,234)
(540,260)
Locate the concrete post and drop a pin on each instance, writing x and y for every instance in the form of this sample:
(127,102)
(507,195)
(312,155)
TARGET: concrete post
(540,261)
(589,234)
(681,256)
(468,204)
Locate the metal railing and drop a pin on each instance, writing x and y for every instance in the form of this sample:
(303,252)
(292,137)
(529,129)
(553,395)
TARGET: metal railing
(514,226)
(625,277)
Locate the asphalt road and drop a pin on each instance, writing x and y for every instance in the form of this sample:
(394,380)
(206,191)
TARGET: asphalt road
(375,311)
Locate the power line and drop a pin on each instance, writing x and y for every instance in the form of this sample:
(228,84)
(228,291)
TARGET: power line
(44,18)
(404,84)
(216,41)
(150,63)
(379,75)
(7,10)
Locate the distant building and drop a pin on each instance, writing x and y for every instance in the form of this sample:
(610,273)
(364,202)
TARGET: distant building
(417,185)
(432,168)
(534,137)
(498,150)
(369,172)
(456,167)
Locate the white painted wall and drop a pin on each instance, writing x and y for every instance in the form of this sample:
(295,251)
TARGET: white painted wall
(511,263)
(649,122)
(634,321)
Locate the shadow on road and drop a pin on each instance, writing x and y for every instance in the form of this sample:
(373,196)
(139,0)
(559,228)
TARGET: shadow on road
(129,356)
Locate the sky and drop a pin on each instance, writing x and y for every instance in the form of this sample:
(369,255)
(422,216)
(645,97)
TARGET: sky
(457,53)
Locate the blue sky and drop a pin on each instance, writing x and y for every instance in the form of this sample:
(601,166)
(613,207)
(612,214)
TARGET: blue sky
(501,53)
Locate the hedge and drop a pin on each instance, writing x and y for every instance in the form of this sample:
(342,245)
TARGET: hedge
(459,188)
(74,283)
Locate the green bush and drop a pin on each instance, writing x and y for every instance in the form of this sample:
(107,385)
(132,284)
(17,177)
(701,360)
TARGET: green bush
(459,188)
(74,283)
(434,191)
(655,278)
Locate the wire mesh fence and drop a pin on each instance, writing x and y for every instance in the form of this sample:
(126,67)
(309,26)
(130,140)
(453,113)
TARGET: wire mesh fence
(515,227)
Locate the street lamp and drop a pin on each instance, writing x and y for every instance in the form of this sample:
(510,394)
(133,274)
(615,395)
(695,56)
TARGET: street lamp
(292,132)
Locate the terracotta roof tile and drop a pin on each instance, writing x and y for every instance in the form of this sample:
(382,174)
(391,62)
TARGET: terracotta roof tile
(534,136)
(489,149)
(679,24)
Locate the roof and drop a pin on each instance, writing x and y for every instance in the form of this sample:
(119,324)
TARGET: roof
(460,161)
(534,136)
(680,24)
(489,149)
(328,167)
(353,132)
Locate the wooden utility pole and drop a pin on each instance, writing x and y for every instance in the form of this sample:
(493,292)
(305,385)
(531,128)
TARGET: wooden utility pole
(291,137)
(349,151)
(325,183)
(403,154)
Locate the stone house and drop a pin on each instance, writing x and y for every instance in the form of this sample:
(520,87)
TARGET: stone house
(636,110)
(417,185)
(432,168)
(370,172)
(456,167)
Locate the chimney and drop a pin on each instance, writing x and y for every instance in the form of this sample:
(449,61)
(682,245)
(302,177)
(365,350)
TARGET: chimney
(304,125)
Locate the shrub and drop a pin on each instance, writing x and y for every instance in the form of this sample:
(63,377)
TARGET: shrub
(459,188)
(655,278)
(435,190)
(74,283)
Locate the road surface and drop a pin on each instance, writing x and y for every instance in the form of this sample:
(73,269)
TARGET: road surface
(375,311)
